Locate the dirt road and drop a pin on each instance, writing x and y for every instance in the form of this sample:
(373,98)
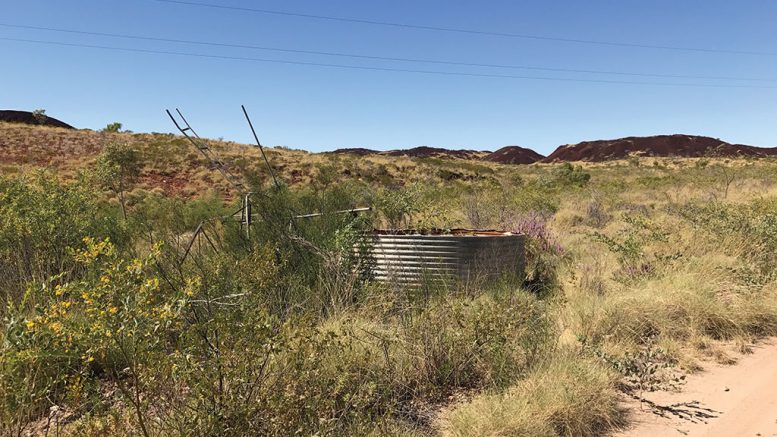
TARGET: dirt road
(743,395)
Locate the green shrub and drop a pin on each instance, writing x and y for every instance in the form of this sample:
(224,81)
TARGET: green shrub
(112,322)
(631,247)
(753,224)
(40,116)
(118,167)
(567,174)
(112,127)
(397,206)
(41,220)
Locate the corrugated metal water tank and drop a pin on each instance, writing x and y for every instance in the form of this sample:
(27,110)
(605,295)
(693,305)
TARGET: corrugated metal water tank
(412,257)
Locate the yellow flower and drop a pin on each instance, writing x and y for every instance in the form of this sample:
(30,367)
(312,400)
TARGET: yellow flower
(30,324)
(135,265)
(113,310)
(56,327)
(58,290)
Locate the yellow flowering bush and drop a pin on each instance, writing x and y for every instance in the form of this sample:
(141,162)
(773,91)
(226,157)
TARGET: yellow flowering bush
(109,322)
(116,308)
(40,219)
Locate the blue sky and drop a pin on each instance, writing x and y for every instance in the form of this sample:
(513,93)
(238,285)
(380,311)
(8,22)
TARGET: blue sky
(322,108)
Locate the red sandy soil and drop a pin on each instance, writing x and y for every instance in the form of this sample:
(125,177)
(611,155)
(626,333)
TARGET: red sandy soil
(26,117)
(687,146)
(743,396)
(171,183)
(514,155)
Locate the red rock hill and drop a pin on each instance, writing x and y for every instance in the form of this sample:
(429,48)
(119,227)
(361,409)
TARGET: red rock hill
(659,145)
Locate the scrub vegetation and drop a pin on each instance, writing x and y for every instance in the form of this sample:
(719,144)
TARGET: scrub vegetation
(638,272)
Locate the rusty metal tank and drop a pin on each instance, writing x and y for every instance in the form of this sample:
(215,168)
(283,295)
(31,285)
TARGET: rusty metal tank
(411,257)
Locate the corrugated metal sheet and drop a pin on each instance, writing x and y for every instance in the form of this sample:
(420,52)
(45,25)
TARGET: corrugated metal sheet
(463,255)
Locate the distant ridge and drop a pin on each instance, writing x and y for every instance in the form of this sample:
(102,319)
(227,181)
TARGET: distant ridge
(677,145)
(437,152)
(26,117)
(687,146)
(417,152)
(359,151)
(514,155)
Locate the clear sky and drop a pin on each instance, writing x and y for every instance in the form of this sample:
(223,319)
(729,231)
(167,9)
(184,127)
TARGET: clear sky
(321,108)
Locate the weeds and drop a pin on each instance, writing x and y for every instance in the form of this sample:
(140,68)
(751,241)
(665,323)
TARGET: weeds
(647,369)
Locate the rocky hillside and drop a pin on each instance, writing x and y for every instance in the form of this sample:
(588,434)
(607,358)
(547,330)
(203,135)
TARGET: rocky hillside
(26,117)
(514,155)
(686,146)
(170,164)
(173,166)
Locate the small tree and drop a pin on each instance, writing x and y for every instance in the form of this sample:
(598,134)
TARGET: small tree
(399,205)
(726,176)
(113,127)
(117,169)
(40,116)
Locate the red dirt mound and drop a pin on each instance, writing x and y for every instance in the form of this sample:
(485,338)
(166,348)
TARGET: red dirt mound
(436,152)
(25,117)
(514,155)
(659,145)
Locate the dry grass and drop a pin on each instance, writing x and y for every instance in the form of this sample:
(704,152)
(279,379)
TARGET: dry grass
(695,294)
(566,396)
